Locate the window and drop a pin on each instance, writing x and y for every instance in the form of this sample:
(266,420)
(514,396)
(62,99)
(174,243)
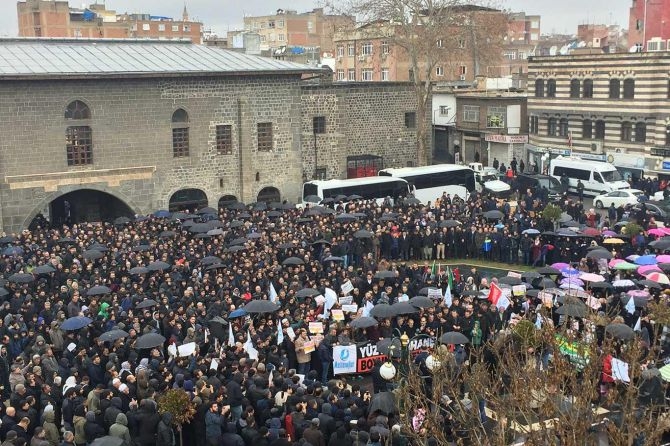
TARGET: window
(187,28)
(280,24)
(180,133)
(133,27)
(626,131)
(461,43)
(574,88)
(577,174)
(439,43)
(533,124)
(587,91)
(600,129)
(439,71)
(615,88)
(385,74)
(366,74)
(319,124)
(539,88)
(495,117)
(410,120)
(161,27)
(340,75)
(146,27)
(385,47)
(551,127)
(444,110)
(272,37)
(264,136)
(563,128)
(366,49)
(224,139)
(462,70)
(640,132)
(280,37)
(175,28)
(351,74)
(340,51)
(351,50)
(471,113)
(78,138)
(629,88)
(667,135)
(587,129)
(551,88)
(271,24)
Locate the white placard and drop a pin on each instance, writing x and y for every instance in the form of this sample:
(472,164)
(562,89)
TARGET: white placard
(350,308)
(186,349)
(620,370)
(344,359)
(346,300)
(435,293)
(347,287)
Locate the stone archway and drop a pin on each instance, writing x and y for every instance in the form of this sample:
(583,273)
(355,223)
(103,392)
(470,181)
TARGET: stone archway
(87,205)
(268,195)
(225,200)
(188,199)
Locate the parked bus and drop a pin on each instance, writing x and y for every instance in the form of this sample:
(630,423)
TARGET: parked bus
(597,177)
(429,182)
(378,188)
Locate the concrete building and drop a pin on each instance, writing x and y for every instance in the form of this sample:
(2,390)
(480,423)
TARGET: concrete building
(649,25)
(602,104)
(55,18)
(523,36)
(101,129)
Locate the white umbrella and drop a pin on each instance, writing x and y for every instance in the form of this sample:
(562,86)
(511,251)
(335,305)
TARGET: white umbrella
(622,283)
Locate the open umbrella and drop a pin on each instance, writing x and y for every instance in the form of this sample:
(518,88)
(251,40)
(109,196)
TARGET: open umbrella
(345,217)
(121,221)
(236,206)
(422,302)
(107,440)
(92,254)
(658,277)
(237,241)
(167,234)
(260,306)
(75,323)
(646,269)
(385,275)
(217,231)
(649,259)
(240,312)
(404,308)
(362,233)
(146,303)
(620,331)
(44,269)
(312,199)
(560,265)
(206,210)
(613,241)
(593,232)
(149,340)
(449,223)
(543,283)
(509,280)
(623,266)
(139,270)
(210,260)
(363,322)
(649,284)
(623,283)
(354,197)
(390,347)
(113,335)
(454,337)
(548,271)
(601,286)
(158,266)
(274,214)
(382,311)
(591,277)
(98,290)
(530,275)
(21,278)
(599,254)
(570,272)
(12,251)
(333,259)
(307,292)
(493,215)
(293,261)
(199,228)
(383,402)
(235,224)
(573,310)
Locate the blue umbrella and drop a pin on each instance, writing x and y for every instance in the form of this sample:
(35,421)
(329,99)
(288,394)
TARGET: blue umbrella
(75,323)
(240,312)
(570,272)
(12,251)
(649,259)
(162,213)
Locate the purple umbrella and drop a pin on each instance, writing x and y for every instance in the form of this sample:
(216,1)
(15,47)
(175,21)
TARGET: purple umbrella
(559,266)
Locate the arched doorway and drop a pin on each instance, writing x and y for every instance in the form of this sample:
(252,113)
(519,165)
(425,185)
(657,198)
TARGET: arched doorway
(188,199)
(87,205)
(226,200)
(268,194)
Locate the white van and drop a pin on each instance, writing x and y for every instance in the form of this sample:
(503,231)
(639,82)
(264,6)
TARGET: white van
(597,177)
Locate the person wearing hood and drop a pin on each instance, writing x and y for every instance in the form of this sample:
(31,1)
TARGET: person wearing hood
(230,437)
(147,421)
(92,429)
(165,436)
(79,425)
(112,411)
(120,430)
(50,429)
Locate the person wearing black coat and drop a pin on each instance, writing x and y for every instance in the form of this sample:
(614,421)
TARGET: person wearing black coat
(165,435)
(92,429)
(147,420)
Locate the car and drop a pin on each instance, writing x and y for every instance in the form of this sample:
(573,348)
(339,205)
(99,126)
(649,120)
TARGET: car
(535,182)
(660,210)
(618,198)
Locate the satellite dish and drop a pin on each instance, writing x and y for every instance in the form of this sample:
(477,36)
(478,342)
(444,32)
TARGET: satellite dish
(553,50)
(633,49)
(581,44)
(564,50)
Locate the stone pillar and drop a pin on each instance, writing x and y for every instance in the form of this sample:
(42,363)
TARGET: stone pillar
(246,172)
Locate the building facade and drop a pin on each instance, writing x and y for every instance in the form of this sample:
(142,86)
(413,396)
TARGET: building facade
(649,25)
(523,36)
(49,18)
(602,104)
(191,126)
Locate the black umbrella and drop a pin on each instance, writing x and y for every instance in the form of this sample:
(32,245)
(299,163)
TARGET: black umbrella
(422,302)
(600,286)
(493,215)
(92,254)
(293,261)
(215,224)
(573,309)
(321,242)
(215,266)
(75,323)
(3,292)
(113,335)
(564,218)
(206,210)
(363,322)
(274,214)
(139,270)
(140,248)
(187,224)
(543,283)
(312,199)
(236,206)
(382,310)
(383,402)
(532,293)
(620,331)
(390,347)
(307,292)
(344,217)
(599,254)
(167,234)
(449,223)
(7,239)
(146,303)
(199,228)
(404,308)
(158,266)
(411,201)
(237,241)
(66,241)
(260,306)
(354,197)
(454,338)
(385,275)
(121,221)
(333,259)
(44,269)
(149,340)
(362,233)
(530,275)
(548,271)
(107,440)
(244,215)
(643,282)
(210,260)
(98,290)
(236,248)
(254,235)
(235,224)
(21,278)
(509,280)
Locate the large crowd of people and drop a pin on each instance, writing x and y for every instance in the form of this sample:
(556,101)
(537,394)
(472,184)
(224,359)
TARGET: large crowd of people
(188,276)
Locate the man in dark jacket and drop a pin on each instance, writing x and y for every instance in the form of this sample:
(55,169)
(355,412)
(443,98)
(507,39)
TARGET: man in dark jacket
(235,396)
(147,420)
(165,435)
(112,411)
(313,434)
(327,422)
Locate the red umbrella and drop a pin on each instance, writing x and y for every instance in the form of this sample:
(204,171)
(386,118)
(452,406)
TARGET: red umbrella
(591,232)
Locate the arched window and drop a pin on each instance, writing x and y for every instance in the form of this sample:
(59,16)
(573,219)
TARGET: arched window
(629,88)
(563,127)
(626,131)
(539,88)
(574,88)
(587,129)
(180,133)
(587,91)
(551,88)
(78,138)
(551,127)
(600,129)
(667,135)
(640,132)
(615,88)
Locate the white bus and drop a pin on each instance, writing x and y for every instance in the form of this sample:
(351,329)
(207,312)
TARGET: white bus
(369,188)
(597,177)
(429,182)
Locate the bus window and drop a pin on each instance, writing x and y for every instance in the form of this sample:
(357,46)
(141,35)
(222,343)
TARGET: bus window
(597,177)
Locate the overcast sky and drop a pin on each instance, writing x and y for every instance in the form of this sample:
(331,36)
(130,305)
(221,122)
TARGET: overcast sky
(221,16)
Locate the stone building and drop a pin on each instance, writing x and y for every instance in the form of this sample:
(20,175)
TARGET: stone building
(94,130)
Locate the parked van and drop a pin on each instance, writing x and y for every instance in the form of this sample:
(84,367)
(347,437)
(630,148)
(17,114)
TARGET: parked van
(597,177)
(535,182)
